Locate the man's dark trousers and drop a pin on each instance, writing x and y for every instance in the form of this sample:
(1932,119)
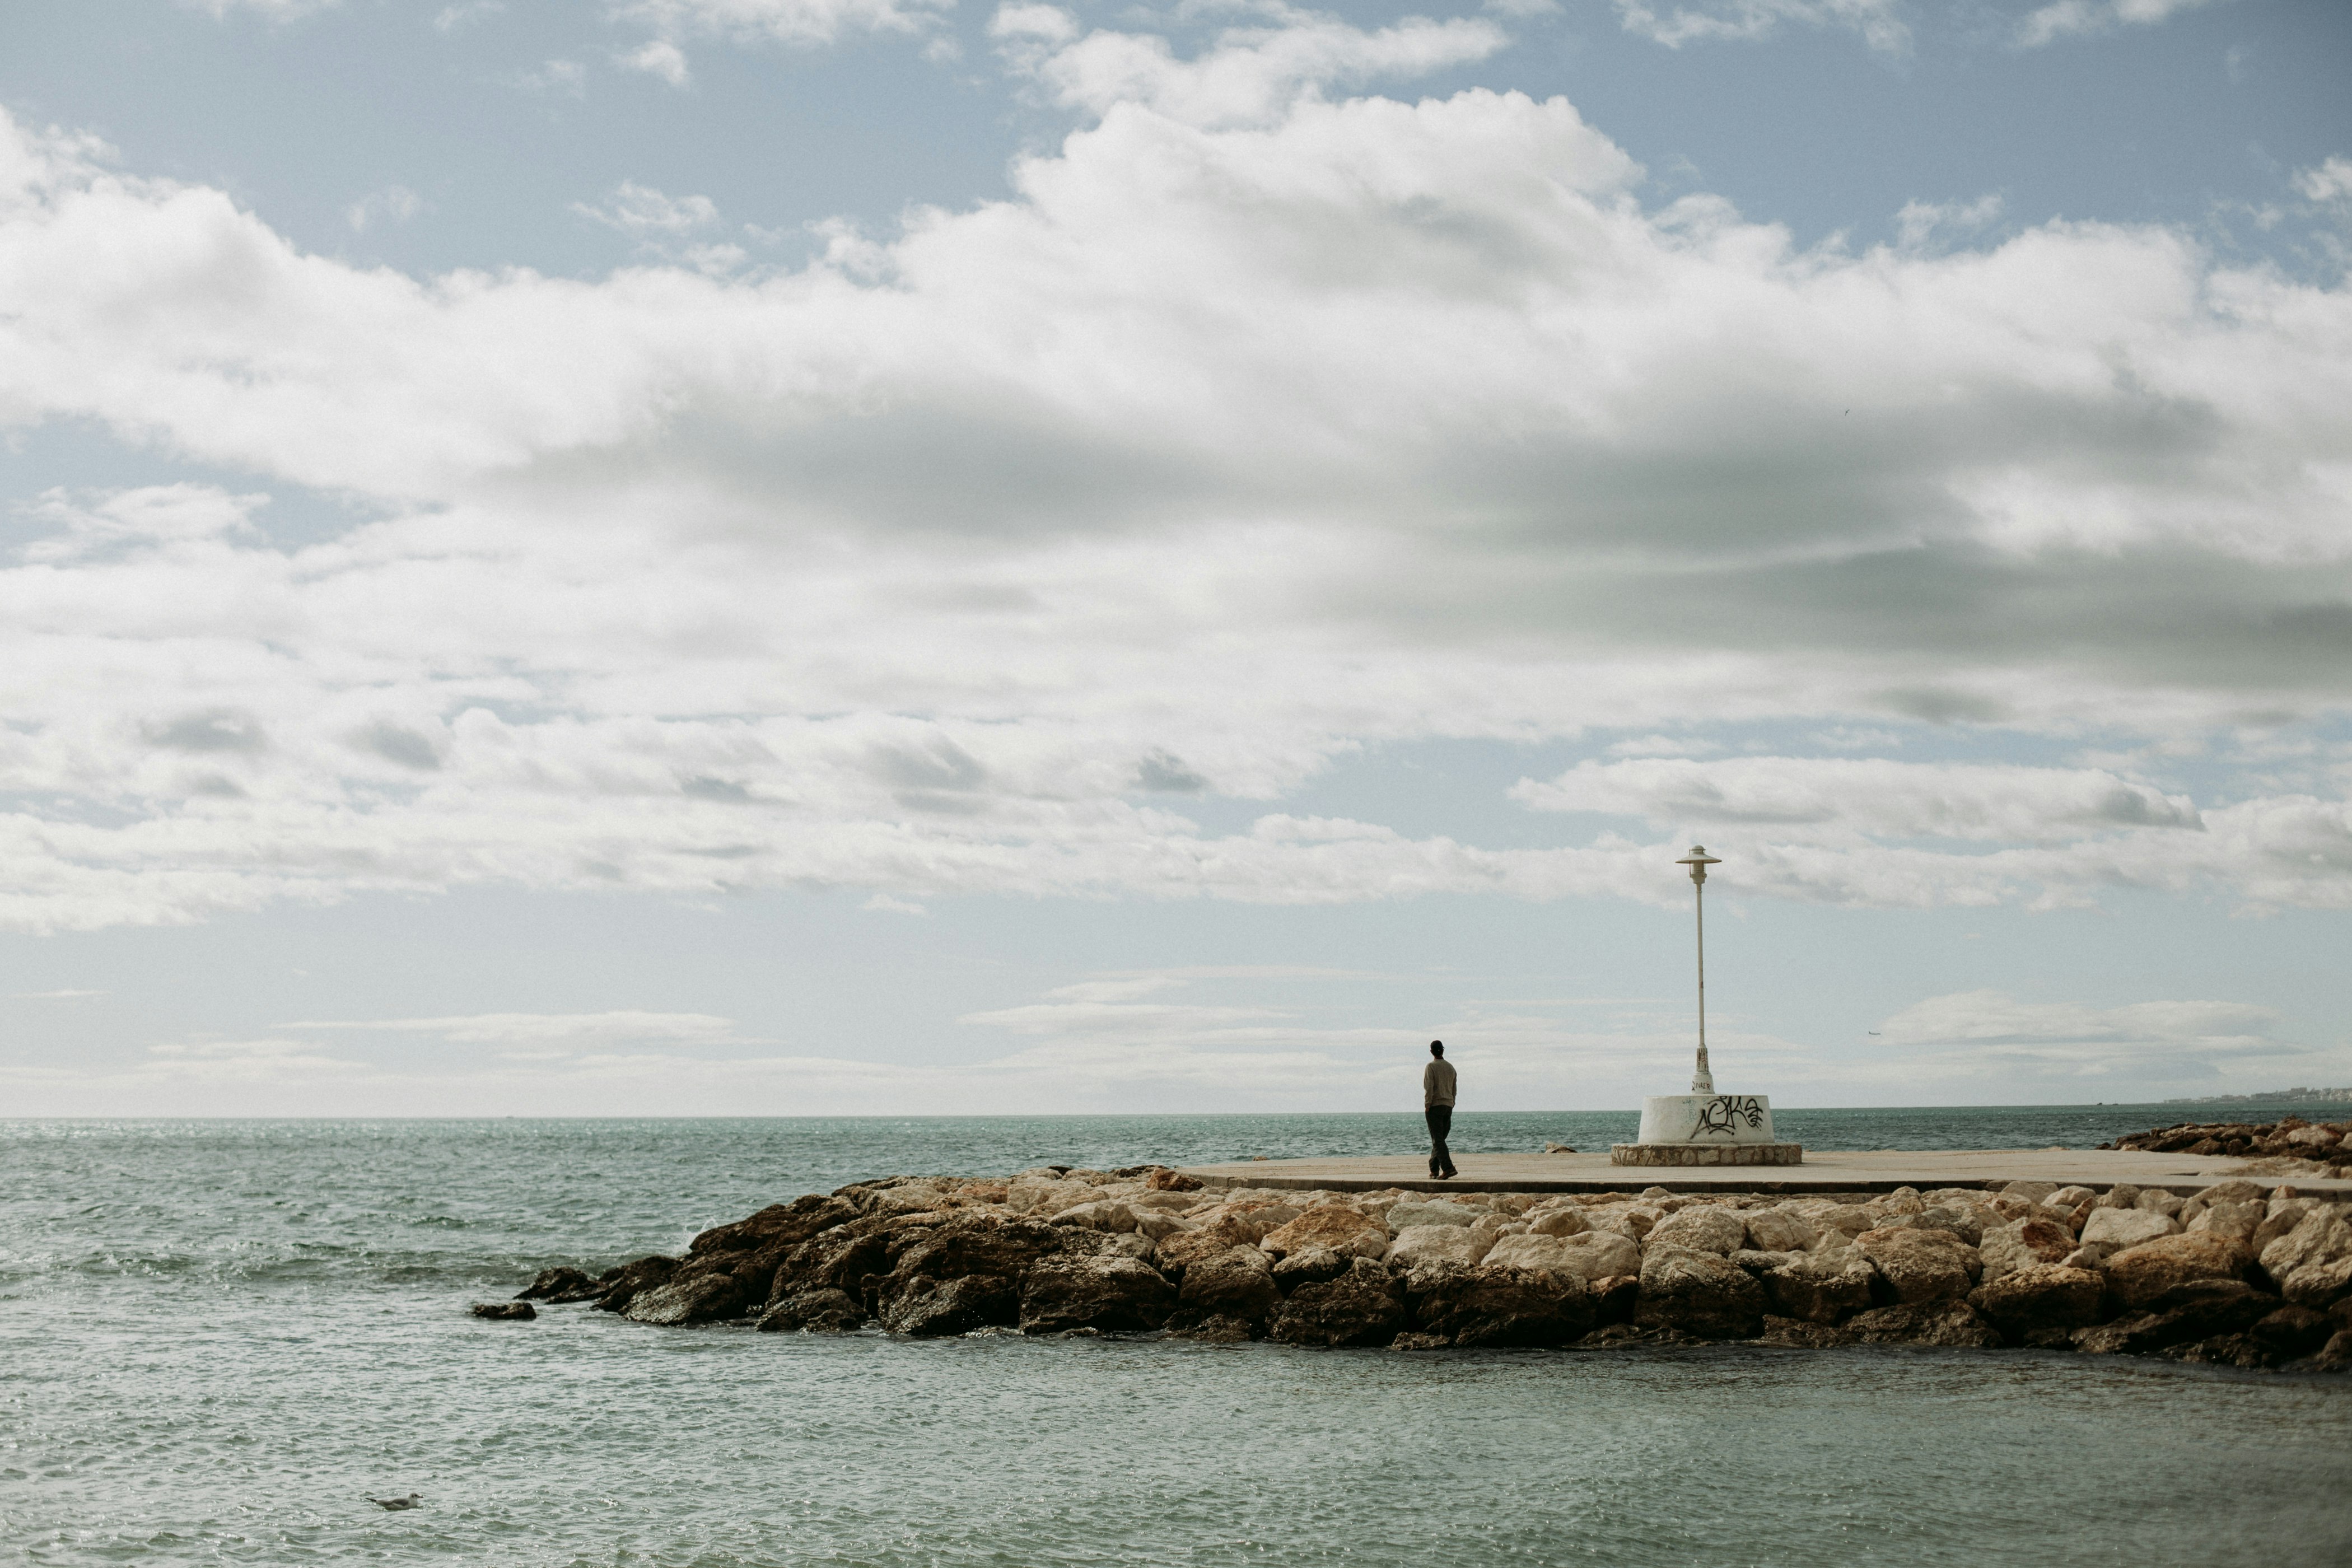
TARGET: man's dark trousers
(1440,1122)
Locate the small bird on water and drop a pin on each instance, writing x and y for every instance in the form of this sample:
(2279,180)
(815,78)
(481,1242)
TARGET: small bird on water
(411,1500)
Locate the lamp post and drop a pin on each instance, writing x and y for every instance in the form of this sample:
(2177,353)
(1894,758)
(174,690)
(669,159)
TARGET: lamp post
(1698,860)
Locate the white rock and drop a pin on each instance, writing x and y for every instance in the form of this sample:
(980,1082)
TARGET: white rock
(1780,1230)
(1417,1244)
(1407,1215)
(1632,1221)
(1553,1254)
(1559,1222)
(2118,1228)
(1717,1230)
(1598,1253)
(1103,1214)
(2162,1202)
(2238,1222)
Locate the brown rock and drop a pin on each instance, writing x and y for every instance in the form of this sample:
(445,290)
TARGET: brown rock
(687,1297)
(1916,1265)
(1614,1297)
(1181,1250)
(1499,1306)
(555,1285)
(1803,1334)
(1308,1268)
(821,1311)
(2313,1262)
(1103,1293)
(506,1311)
(621,1287)
(1164,1180)
(1821,1288)
(1235,1283)
(2040,1296)
(1210,1329)
(924,1308)
(2137,1274)
(2035,1239)
(1699,1294)
(2198,1309)
(2292,1331)
(1346,1231)
(778,1225)
(1365,1306)
(843,1258)
(1938,1321)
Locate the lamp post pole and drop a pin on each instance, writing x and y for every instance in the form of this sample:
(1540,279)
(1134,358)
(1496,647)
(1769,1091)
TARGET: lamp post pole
(1698,860)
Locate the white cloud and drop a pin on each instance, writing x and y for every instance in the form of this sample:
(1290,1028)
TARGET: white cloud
(1880,22)
(1251,428)
(2075,18)
(571,1030)
(396,203)
(642,212)
(450,18)
(1250,75)
(273,10)
(567,77)
(2329,182)
(800,23)
(660,57)
(1919,222)
(2176,1041)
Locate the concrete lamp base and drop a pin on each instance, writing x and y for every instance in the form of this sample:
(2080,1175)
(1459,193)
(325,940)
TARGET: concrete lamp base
(1706,1153)
(1707,1130)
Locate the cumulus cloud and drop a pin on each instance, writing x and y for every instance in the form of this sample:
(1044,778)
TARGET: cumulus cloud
(1256,426)
(2075,19)
(1880,22)
(804,24)
(393,204)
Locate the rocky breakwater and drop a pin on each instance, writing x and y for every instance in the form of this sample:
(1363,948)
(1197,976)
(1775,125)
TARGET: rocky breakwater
(2321,1144)
(2239,1274)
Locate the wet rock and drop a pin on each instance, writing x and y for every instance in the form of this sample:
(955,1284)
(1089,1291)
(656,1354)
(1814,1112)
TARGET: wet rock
(621,1287)
(2121,1228)
(2242,1351)
(1419,1244)
(977,1243)
(1803,1334)
(506,1311)
(1209,1328)
(2040,1296)
(924,1308)
(2198,1310)
(1236,1283)
(558,1285)
(1108,1294)
(1311,1267)
(1715,1230)
(1916,1266)
(2138,1274)
(1348,1232)
(1420,1342)
(2292,1331)
(1697,1293)
(1615,1336)
(2022,1244)
(1614,1297)
(1492,1307)
(784,1226)
(2336,1355)
(817,1311)
(1365,1306)
(700,1296)
(2313,1262)
(845,1258)
(1941,1321)
(1821,1289)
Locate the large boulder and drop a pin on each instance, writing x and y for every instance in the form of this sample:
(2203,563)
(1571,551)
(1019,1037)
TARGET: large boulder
(2022,1244)
(1348,1232)
(779,1226)
(2198,1311)
(2137,1274)
(1551,1253)
(1598,1255)
(557,1285)
(1822,1287)
(506,1311)
(1419,1244)
(1709,1229)
(1179,1251)
(1490,1305)
(1364,1306)
(1439,1211)
(1780,1230)
(2313,1262)
(2040,1296)
(2121,1228)
(1102,1214)
(845,1258)
(925,1308)
(1941,1321)
(819,1311)
(689,1298)
(1311,1267)
(1567,1220)
(1697,1293)
(1108,1293)
(622,1285)
(1916,1266)
(1236,1283)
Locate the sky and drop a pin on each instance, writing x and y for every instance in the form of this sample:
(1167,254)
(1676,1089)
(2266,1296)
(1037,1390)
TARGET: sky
(789,557)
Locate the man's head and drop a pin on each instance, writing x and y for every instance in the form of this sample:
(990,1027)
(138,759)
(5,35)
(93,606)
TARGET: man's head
(1437,1048)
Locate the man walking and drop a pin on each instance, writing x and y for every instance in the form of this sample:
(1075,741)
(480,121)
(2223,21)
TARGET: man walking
(1437,1107)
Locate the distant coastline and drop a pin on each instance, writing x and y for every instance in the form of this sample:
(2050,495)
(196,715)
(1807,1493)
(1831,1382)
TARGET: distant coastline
(2271,1097)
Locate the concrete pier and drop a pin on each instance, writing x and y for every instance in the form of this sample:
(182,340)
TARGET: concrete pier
(1824,1171)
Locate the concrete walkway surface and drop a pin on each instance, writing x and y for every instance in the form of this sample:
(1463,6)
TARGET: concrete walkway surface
(1843,1171)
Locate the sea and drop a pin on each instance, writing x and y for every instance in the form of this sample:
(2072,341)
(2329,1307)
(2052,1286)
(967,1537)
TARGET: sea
(220,1340)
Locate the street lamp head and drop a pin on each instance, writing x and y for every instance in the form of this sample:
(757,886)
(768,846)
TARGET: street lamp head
(1698,860)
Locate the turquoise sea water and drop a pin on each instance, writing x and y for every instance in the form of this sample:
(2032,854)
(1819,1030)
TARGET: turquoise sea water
(217,1337)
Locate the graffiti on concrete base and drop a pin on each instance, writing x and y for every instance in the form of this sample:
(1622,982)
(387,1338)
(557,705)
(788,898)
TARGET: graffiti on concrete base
(1725,1112)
